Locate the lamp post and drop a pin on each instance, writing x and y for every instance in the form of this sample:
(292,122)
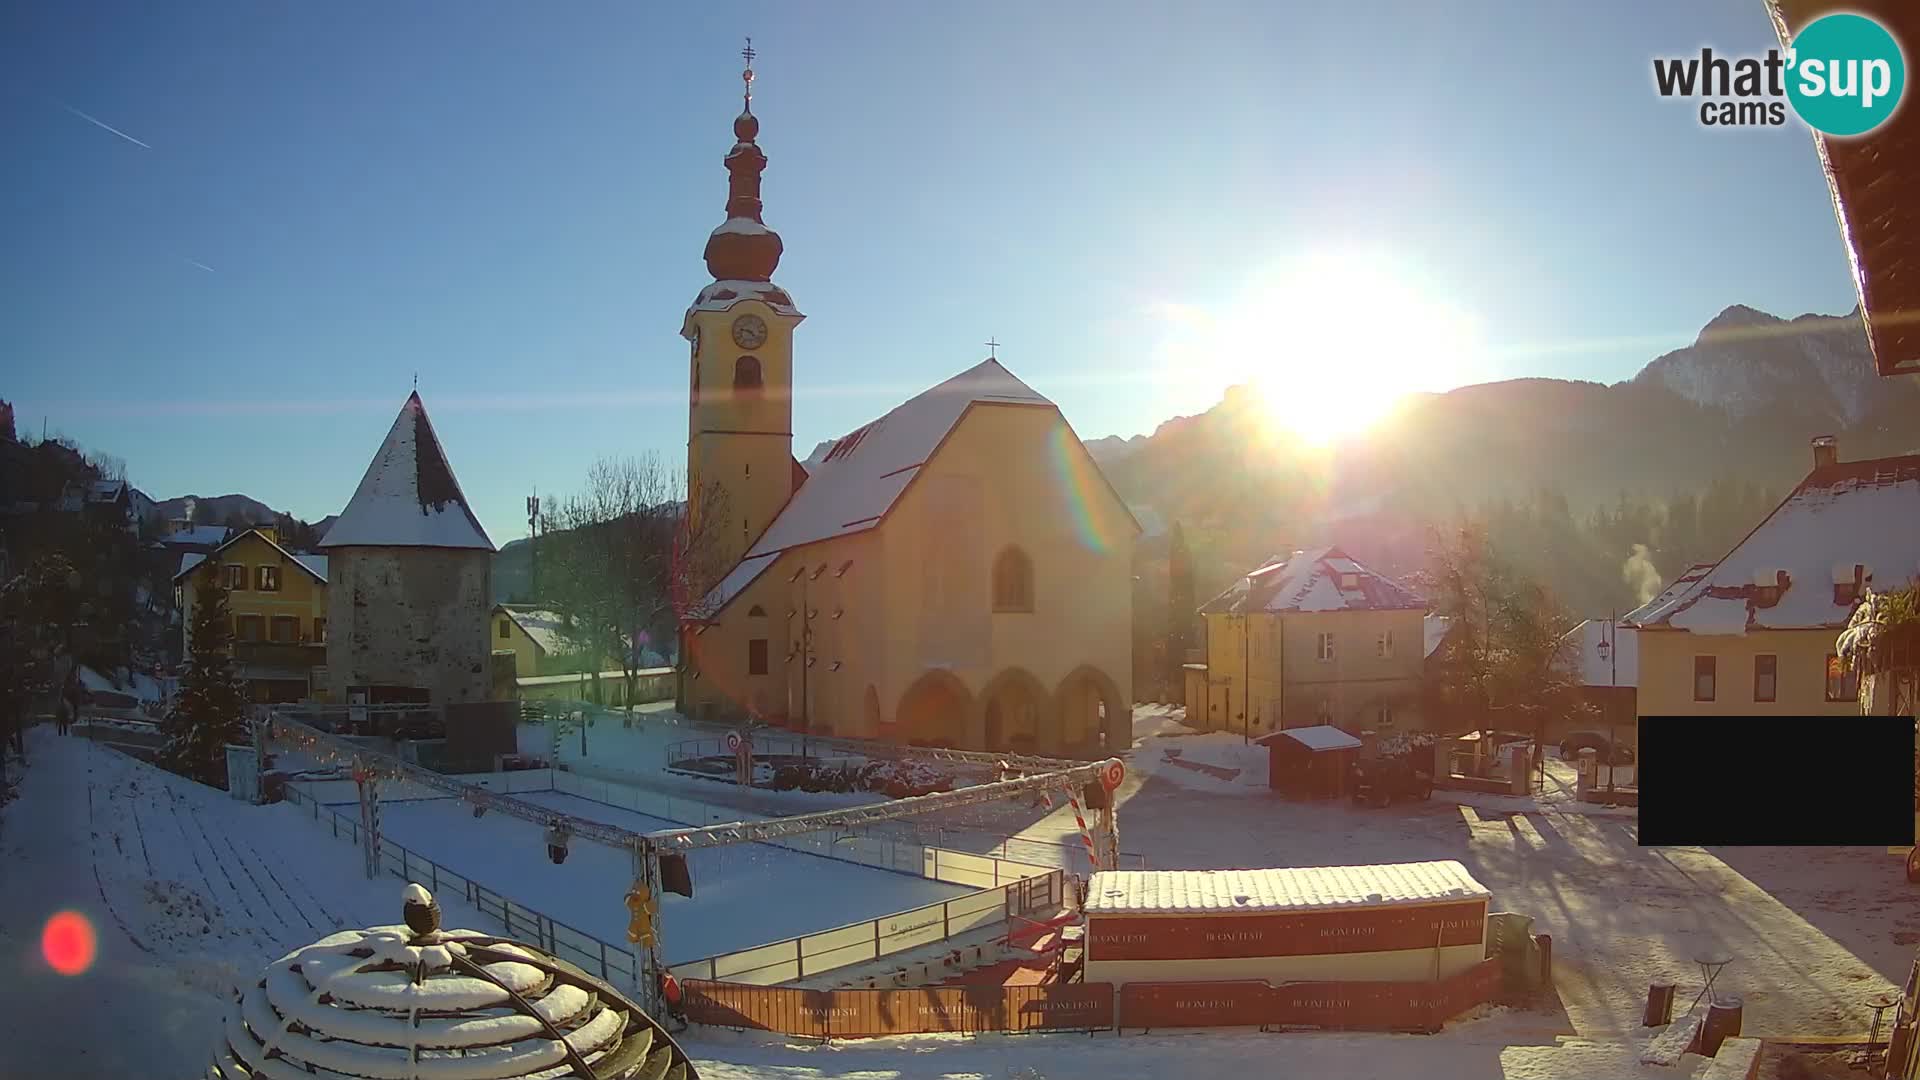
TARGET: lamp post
(1246,668)
(1610,654)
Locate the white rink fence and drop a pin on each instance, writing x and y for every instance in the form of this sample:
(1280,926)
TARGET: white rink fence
(1009,889)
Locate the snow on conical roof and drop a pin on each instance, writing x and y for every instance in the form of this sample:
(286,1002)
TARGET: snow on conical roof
(409,497)
(415,1002)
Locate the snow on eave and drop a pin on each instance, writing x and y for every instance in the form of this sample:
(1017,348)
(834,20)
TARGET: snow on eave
(724,294)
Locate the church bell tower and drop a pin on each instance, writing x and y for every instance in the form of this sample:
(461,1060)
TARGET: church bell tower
(740,394)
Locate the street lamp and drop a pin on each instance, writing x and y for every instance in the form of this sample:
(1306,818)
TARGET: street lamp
(1610,657)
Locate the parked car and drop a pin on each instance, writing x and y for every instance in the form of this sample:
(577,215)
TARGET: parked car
(1571,746)
(1380,781)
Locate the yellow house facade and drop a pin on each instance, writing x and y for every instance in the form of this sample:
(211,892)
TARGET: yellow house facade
(1757,633)
(278,603)
(536,637)
(1316,638)
(956,573)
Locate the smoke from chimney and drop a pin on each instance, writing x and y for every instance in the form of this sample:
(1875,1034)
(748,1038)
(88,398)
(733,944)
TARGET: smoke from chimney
(1640,574)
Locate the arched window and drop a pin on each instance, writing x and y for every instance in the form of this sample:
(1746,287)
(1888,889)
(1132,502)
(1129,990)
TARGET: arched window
(1012,581)
(756,611)
(746,375)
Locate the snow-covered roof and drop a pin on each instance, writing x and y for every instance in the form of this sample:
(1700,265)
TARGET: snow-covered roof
(1436,627)
(1621,666)
(1316,738)
(722,295)
(1216,892)
(546,628)
(741,226)
(105,490)
(312,564)
(1314,581)
(854,481)
(1864,513)
(209,535)
(409,496)
(1694,573)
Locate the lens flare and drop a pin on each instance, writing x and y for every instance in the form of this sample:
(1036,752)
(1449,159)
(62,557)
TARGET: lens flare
(1080,481)
(68,943)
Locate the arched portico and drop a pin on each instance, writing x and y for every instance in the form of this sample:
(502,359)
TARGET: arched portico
(934,710)
(1017,714)
(1092,715)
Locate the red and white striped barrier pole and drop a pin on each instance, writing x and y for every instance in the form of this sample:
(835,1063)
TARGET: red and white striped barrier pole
(1086,835)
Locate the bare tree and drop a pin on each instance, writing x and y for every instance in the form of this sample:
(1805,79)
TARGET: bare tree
(625,562)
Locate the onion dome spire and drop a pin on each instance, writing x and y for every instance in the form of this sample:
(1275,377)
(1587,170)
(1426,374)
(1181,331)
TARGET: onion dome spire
(743,248)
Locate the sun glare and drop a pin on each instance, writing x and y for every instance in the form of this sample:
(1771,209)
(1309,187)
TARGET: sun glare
(1333,342)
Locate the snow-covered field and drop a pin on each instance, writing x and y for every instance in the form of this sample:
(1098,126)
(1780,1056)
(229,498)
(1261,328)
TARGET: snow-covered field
(729,909)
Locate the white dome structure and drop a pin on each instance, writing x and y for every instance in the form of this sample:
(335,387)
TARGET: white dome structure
(415,1002)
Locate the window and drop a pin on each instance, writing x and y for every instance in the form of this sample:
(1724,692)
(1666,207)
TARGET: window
(757,656)
(506,629)
(746,375)
(1843,593)
(1323,647)
(320,630)
(1384,646)
(248,627)
(757,612)
(266,578)
(236,577)
(1842,684)
(1766,678)
(1013,581)
(285,629)
(1705,669)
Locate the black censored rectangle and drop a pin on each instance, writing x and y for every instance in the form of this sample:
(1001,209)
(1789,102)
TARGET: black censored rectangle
(1813,781)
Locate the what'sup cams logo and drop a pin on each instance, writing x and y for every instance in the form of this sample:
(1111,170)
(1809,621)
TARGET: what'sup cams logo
(1842,75)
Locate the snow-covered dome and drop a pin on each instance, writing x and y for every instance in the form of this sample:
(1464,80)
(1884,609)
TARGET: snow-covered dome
(415,1002)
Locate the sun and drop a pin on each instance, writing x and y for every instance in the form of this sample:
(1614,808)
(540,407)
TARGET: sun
(1333,342)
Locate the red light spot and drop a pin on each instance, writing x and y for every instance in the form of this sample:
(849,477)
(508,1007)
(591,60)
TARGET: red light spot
(68,943)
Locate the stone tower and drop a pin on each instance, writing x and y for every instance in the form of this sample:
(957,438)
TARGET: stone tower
(740,416)
(410,576)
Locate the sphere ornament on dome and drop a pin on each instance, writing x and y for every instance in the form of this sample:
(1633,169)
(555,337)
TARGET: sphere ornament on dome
(746,126)
(415,1002)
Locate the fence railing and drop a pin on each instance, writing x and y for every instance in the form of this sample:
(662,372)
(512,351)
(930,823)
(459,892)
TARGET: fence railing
(570,944)
(815,954)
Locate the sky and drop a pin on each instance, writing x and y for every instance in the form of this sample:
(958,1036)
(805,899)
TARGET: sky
(236,232)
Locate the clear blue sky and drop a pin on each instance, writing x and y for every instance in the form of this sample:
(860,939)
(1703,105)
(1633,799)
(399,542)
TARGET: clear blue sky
(511,199)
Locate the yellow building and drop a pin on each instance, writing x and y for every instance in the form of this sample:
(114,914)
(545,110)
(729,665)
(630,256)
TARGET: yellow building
(1315,638)
(955,573)
(278,601)
(538,640)
(1757,633)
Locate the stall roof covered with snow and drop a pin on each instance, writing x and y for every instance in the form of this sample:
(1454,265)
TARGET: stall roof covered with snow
(1316,738)
(409,496)
(1319,888)
(1846,527)
(853,482)
(1322,580)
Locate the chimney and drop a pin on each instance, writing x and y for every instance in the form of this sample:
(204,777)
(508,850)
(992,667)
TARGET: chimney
(1826,451)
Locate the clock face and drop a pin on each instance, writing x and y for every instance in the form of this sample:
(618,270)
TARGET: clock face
(749,332)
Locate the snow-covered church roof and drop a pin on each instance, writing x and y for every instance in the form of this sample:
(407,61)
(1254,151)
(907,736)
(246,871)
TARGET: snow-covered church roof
(408,497)
(853,481)
(1863,514)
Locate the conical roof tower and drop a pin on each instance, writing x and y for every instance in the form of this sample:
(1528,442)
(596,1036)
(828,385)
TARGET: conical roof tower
(409,496)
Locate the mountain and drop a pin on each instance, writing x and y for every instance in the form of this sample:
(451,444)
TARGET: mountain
(1741,404)
(1113,447)
(216,508)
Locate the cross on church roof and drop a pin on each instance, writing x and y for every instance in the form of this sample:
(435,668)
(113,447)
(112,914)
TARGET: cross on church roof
(993,349)
(746,76)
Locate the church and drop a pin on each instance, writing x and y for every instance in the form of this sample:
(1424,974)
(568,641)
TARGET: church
(956,573)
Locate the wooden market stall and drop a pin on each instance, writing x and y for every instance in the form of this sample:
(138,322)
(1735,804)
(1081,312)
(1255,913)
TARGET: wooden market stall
(1393,922)
(1310,762)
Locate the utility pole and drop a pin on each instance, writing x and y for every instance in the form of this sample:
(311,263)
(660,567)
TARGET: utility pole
(1613,658)
(533,544)
(1246,668)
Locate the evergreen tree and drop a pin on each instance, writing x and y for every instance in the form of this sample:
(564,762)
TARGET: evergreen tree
(210,710)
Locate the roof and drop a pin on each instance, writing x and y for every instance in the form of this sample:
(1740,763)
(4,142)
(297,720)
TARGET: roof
(546,628)
(1864,513)
(1621,665)
(855,480)
(1694,573)
(1313,581)
(1183,892)
(722,295)
(1870,178)
(409,496)
(312,564)
(1316,738)
(208,535)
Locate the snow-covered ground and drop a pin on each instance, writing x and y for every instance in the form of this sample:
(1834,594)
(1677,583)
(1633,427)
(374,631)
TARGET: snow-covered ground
(729,910)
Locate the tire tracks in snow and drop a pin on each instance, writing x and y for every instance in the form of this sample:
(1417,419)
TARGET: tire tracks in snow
(247,864)
(93,851)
